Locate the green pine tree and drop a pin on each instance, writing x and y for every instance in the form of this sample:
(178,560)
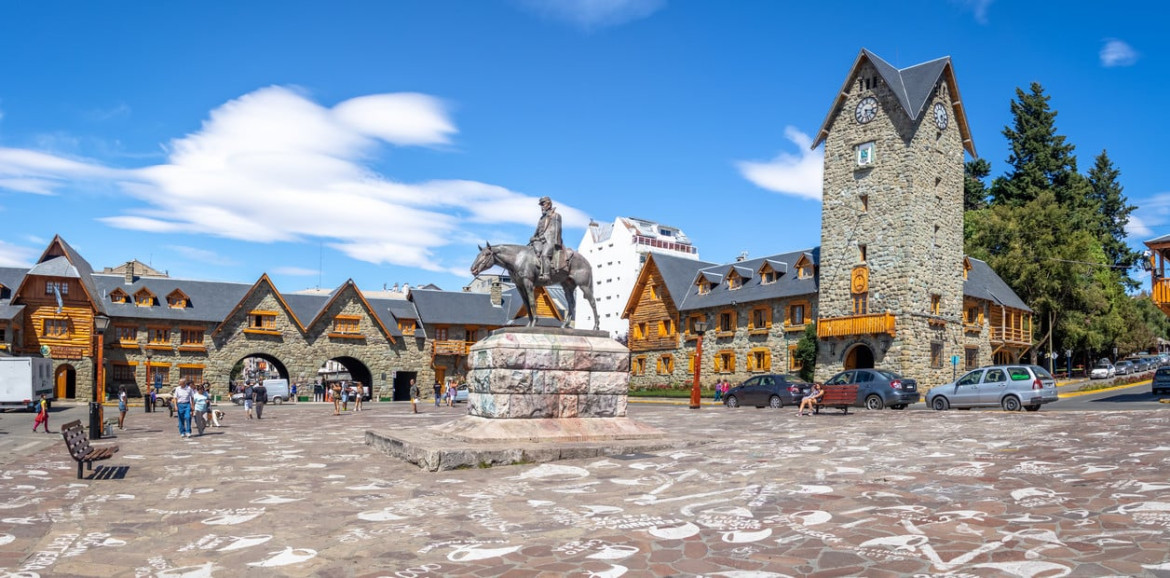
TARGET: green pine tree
(1113,213)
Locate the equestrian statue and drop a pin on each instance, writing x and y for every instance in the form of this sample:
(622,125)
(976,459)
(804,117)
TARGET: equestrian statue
(542,262)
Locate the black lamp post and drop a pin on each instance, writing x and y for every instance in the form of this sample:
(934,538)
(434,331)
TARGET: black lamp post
(146,403)
(696,395)
(100,323)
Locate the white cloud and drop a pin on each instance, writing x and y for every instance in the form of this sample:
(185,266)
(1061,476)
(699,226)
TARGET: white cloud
(295,271)
(1137,228)
(593,14)
(1151,215)
(202,255)
(799,175)
(977,7)
(16,256)
(1117,53)
(274,166)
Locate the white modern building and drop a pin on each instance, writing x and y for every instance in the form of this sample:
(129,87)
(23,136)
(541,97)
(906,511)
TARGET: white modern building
(617,252)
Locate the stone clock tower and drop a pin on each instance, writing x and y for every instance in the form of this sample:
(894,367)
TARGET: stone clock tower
(891,262)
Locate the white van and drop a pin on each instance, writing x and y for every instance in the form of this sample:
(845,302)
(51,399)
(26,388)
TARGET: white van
(277,390)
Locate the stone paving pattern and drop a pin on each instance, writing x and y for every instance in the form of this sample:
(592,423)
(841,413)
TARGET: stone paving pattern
(299,494)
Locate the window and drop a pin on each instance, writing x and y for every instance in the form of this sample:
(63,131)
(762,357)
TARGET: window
(794,363)
(119,296)
(640,330)
(440,334)
(665,328)
(725,361)
(936,355)
(974,315)
(191,336)
(936,304)
(704,287)
(796,314)
(861,253)
(861,304)
(159,335)
(653,290)
(864,203)
(727,322)
(768,276)
(865,154)
(691,363)
(691,321)
(638,366)
(55,328)
(144,298)
(666,364)
(177,300)
(761,318)
(759,359)
(804,272)
(160,373)
(193,373)
(972,358)
(263,320)
(348,324)
(52,287)
(122,372)
(734,281)
(126,333)
(407,326)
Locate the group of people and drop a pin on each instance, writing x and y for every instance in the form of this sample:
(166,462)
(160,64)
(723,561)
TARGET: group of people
(192,401)
(342,392)
(445,396)
(721,388)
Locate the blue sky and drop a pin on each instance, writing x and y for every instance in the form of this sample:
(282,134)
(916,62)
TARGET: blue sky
(381,141)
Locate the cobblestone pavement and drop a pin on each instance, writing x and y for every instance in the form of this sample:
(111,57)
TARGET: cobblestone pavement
(882,493)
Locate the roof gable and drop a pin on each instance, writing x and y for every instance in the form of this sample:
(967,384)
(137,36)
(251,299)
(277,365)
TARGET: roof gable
(72,266)
(264,283)
(350,288)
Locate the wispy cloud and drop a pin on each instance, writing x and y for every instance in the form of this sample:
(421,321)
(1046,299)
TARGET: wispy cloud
(295,271)
(1137,228)
(274,166)
(203,255)
(798,175)
(1117,53)
(594,14)
(16,256)
(977,7)
(1152,215)
(104,114)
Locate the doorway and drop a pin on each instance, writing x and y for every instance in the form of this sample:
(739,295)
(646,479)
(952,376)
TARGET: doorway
(402,384)
(860,357)
(66,379)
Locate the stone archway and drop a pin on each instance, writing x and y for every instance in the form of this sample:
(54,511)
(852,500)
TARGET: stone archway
(355,370)
(65,378)
(242,369)
(859,356)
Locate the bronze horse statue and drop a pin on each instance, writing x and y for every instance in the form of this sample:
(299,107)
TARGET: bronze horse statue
(521,261)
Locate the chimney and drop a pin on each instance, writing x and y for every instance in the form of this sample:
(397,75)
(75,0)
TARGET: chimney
(129,272)
(497,293)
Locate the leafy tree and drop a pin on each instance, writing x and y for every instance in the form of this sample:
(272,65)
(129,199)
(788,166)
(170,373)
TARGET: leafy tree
(1113,212)
(806,352)
(974,189)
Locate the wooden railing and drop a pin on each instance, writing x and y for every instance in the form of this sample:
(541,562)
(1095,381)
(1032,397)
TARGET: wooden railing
(856,325)
(1012,335)
(1161,294)
(452,347)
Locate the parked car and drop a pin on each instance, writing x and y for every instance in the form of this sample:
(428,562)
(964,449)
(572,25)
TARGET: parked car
(1161,382)
(1149,363)
(772,390)
(1123,368)
(1008,386)
(1102,370)
(461,393)
(878,388)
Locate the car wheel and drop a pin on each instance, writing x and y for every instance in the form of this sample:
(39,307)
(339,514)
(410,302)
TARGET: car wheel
(940,404)
(278,400)
(775,402)
(732,401)
(1011,403)
(1032,407)
(874,402)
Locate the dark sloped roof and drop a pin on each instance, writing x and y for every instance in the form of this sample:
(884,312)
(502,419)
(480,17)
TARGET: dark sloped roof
(208,301)
(1162,239)
(307,306)
(678,273)
(449,307)
(382,309)
(86,272)
(753,289)
(55,267)
(11,277)
(984,283)
(9,312)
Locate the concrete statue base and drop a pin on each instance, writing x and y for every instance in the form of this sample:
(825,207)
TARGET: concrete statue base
(536,395)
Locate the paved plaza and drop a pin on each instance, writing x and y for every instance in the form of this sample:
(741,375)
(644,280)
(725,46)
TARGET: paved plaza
(888,493)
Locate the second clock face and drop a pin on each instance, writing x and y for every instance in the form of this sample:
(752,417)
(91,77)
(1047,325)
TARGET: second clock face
(866,110)
(940,116)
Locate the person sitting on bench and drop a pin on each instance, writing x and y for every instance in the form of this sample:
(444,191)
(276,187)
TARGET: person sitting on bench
(810,400)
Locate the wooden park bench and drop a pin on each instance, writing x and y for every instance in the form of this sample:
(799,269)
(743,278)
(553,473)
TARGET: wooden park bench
(838,396)
(79,448)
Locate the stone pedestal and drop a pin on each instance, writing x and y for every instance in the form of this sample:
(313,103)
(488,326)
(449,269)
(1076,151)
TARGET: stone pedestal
(526,373)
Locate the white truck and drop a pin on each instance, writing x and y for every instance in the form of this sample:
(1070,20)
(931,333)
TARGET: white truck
(23,380)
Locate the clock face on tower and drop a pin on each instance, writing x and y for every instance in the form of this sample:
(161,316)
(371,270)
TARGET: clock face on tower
(866,110)
(940,116)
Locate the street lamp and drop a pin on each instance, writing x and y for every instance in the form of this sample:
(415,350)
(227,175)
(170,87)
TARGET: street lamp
(100,323)
(149,407)
(696,395)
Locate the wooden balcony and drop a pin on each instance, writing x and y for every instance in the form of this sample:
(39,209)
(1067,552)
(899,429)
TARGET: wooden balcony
(451,347)
(851,325)
(1011,336)
(1161,293)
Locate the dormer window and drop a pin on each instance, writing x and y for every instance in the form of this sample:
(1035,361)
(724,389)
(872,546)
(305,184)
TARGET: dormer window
(119,296)
(144,298)
(704,287)
(347,324)
(734,281)
(407,326)
(178,300)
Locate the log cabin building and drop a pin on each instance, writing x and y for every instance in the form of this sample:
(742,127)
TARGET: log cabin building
(889,286)
(162,329)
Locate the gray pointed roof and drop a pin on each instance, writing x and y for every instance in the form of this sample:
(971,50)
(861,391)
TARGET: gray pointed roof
(208,301)
(55,267)
(984,283)
(912,86)
(382,308)
(753,288)
(10,312)
(456,308)
(677,272)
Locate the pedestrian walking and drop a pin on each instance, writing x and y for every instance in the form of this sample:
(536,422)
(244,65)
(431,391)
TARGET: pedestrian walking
(182,399)
(318,391)
(259,398)
(335,395)
(413,396)
(358,394)
(121,407)
(438,387)
(199,404)
(345,396)
(451,389)
(42,414)
(248,398)
(718,390)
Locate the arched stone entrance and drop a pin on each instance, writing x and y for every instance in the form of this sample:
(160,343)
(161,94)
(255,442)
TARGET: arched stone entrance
(354,370)
(66,379)
(255,365)
(860,356)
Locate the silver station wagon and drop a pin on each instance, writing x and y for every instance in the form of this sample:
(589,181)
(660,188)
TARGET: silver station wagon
(1008,386)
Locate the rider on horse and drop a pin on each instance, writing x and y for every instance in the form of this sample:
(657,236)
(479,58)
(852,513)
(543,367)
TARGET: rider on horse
(546,241)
